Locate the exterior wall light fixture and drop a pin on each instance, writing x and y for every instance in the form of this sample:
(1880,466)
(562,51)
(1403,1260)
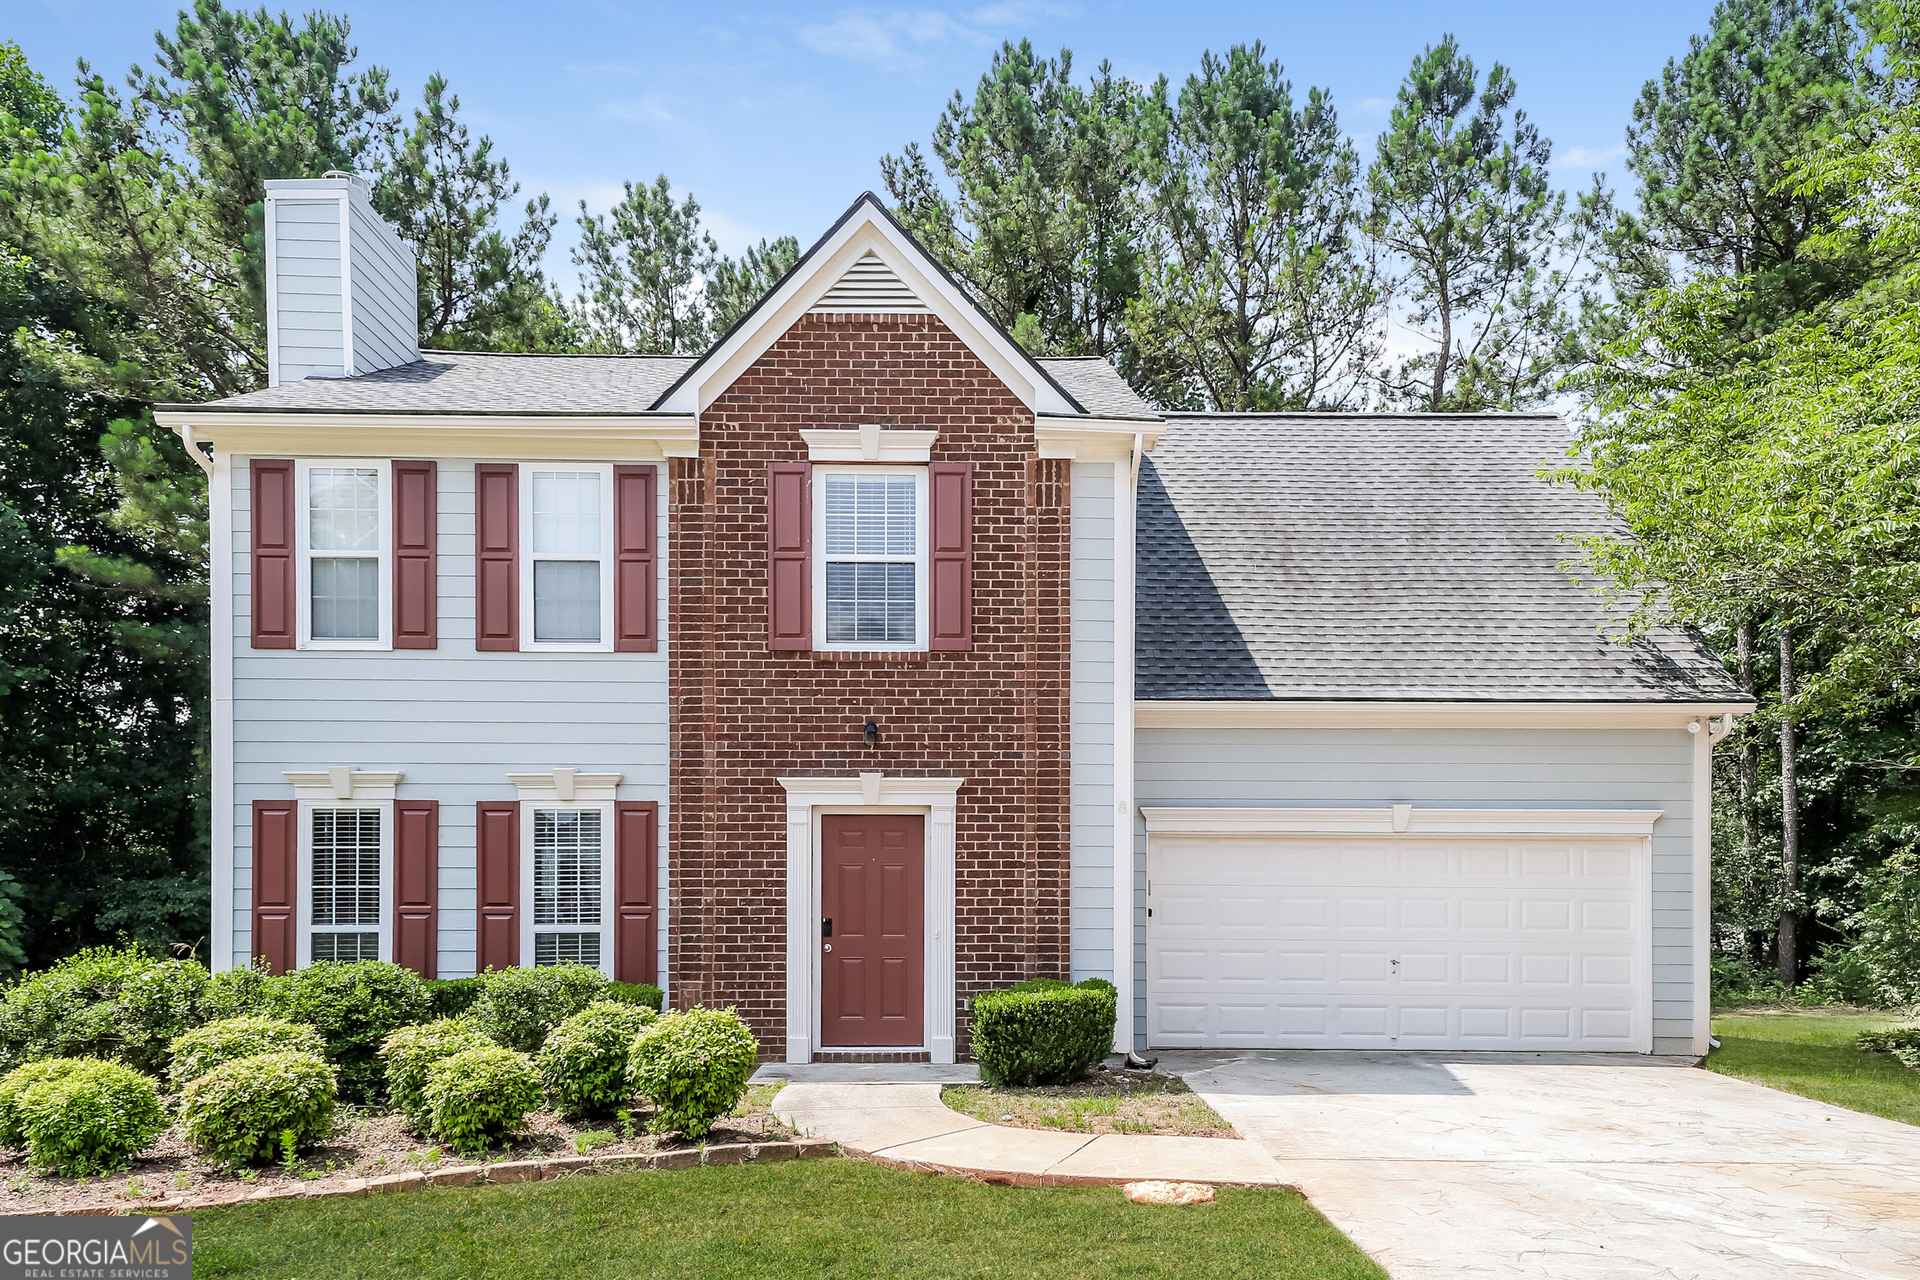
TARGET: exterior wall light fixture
(870,734)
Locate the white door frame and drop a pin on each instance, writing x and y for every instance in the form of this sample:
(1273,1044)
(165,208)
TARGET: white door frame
(1402,821)
(807,799)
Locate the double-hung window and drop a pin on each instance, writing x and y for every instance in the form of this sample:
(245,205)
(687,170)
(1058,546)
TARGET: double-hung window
(569,870)
(870,557)
(347,861)
(344,526)
(567,528)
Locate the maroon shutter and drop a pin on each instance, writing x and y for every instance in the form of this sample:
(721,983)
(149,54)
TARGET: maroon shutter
(496,557)
(950,525)
(635,606)
(498,840)
(636,827)
(276,881)
(416,884)
(789,575)
(273,482)
(416,587)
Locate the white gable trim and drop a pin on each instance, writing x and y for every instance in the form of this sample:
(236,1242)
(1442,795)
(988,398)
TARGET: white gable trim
(866,229)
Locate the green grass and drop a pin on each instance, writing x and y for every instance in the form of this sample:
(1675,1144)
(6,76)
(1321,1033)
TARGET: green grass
(1811,1053)
(839,1218)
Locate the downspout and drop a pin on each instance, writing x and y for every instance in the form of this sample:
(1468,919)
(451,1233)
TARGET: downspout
(1706,732)
(185,432)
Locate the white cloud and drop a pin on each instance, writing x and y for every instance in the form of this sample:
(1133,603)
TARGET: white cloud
(730,233)
(1377,108)
(901,38)
(1588,157)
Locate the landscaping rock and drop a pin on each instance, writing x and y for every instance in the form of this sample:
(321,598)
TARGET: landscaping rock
(768,1152)
(1168,1192)
(396,1182)
(626,1163)
(726,1153)
(688,1159)
(565,1164)
(465,1175)
(812,1149)
(514,1171)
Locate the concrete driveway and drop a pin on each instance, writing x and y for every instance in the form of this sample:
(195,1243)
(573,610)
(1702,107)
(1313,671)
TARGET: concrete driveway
(1575,1166)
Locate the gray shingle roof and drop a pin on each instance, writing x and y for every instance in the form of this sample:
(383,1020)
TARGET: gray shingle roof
(1098,387)
(473,382)
(1344,556)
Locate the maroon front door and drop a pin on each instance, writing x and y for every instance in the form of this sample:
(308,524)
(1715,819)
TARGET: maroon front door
(872,870)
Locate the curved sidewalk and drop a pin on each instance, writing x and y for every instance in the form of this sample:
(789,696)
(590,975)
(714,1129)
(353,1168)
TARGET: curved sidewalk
(908,1127)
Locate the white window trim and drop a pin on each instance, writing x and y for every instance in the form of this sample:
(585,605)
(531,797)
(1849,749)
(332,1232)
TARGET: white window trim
(819,558)
(307,808)
(605,929)
(303,560)
(528,629)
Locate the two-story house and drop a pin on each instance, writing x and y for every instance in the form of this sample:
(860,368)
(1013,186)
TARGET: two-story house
(865,662)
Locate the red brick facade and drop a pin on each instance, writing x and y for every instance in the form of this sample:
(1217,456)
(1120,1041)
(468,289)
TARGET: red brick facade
(743,716)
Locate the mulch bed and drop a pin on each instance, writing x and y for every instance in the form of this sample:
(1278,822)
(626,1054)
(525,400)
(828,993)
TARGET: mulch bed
(1146,1102)
(366,1144)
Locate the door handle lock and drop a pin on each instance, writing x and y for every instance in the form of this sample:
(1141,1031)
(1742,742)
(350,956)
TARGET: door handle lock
(829,946)
(826,926)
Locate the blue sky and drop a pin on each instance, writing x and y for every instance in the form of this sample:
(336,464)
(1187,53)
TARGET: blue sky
(775,116)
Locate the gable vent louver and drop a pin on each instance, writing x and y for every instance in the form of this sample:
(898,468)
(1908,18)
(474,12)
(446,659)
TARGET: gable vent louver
(870,285)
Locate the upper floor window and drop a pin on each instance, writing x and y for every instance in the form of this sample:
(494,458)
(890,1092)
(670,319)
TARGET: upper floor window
(870,563)
(344,539)
(567,529)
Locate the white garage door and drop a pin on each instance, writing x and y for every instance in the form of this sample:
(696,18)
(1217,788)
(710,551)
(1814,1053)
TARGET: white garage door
(1402,942)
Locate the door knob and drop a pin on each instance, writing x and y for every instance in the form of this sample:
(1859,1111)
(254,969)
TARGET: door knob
(829,946)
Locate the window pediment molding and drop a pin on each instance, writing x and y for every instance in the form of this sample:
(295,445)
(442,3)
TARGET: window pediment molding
(343,782)
(564,785)
(869,443)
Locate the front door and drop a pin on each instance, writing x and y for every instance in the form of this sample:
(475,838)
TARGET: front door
(872,869)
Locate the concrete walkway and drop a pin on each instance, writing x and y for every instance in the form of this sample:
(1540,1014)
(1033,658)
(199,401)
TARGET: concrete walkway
(1574,1166)
(908,1127)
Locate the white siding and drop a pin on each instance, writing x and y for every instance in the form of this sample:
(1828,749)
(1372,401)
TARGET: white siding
(307,299)
(386,294)
(455,721)
(1093,796)
(1562,767)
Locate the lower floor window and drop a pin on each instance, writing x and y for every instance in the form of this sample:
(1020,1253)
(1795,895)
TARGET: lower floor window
(567,858)
(346,884)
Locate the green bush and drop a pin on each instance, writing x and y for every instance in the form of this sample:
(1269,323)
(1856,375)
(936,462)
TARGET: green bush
(71,1010)
(204,1048)
(355,1007)
(644,994)
(82,1117)
(16,1082)
(1042,1034)
(517,1007)
(693,1066)
(410,1051)
(240,993)
(250,1110)
(584,1062)
(451,997)
(477,1096)
(159,1004)
(1902,1042)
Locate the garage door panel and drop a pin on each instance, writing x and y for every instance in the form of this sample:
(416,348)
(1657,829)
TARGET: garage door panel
(1290,942)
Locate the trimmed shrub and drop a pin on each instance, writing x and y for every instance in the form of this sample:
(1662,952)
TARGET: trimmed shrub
(15,1084)
(204,1048)
(1042,1034)
(477,1096)
(157,1006)
(71,1010)
(410,1051)
(517,1007)
(355,1007)
(644,994)
(693,1066)
(240,993)
(89,1117)
(249,1110)
(451,997)
(584,1062)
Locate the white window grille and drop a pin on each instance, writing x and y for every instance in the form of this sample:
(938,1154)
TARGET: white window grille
(568,528)
(567,885)
(870,530)
(343,540)
(345,885)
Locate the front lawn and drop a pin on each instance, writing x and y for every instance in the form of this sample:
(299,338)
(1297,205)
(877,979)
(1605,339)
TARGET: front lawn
(1107,1101)
(839,1218)
(1811,1053)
